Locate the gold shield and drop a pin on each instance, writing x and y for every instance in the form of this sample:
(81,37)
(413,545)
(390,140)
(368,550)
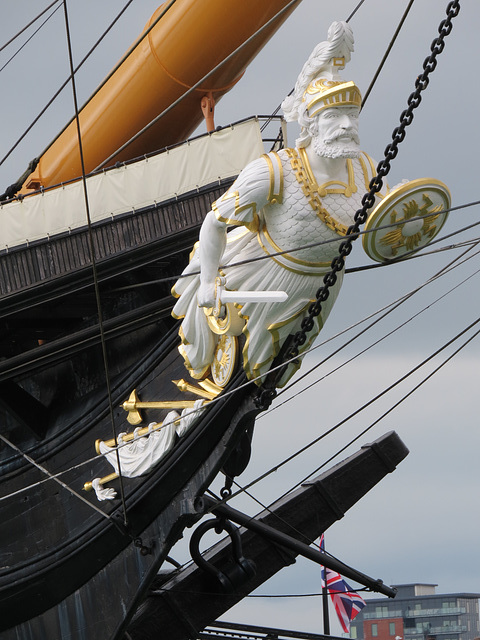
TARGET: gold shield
(407,219)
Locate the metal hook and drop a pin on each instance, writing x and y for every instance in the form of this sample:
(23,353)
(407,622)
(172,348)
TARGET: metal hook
(233,576)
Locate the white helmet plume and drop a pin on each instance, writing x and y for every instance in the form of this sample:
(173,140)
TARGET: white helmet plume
(339,44)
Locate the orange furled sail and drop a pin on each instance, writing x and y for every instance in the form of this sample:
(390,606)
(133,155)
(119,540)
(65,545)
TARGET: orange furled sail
(181,44)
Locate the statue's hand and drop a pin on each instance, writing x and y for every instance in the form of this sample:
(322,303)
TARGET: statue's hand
(206,294)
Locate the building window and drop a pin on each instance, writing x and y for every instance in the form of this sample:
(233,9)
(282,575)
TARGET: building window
(381,612)
(374,630)
(391,628)
(353,632)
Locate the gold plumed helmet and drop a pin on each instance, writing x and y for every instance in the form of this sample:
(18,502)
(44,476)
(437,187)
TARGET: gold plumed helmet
(324,94)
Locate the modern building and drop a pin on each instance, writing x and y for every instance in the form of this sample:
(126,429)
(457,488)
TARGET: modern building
(419,613)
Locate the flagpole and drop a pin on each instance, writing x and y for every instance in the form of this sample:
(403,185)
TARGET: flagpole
(326,618)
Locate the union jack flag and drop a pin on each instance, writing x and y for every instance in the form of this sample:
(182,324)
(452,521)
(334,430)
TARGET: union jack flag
(347,602)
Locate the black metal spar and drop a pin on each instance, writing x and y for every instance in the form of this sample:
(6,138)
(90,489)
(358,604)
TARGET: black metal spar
(225,511)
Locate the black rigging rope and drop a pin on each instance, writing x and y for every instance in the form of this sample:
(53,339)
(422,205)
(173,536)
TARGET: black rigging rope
(50,476)
(93,260)
(29,25)
(285,461)
(355,10)
(30,38)
(390,309)
(403,398)
(360,353)
(65,83)
(387,52)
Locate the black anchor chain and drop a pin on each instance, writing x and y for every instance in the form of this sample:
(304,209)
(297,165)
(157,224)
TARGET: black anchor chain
(375,185)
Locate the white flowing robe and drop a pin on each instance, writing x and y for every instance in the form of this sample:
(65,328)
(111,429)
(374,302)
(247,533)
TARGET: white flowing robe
(274,205)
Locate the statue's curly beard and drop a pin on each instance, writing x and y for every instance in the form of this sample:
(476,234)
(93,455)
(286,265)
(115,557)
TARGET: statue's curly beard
(337,146)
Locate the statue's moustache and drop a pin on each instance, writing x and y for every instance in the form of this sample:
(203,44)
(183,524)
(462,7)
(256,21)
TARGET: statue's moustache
(337,135)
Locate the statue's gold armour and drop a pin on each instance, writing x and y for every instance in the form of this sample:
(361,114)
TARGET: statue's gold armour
(302,216)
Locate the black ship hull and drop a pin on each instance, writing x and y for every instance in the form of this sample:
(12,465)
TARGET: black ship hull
(55,537)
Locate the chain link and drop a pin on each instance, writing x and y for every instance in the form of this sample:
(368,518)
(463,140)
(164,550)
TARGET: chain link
(376,183)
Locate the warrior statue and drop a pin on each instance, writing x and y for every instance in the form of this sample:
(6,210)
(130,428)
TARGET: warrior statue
(294,206)
(287,213)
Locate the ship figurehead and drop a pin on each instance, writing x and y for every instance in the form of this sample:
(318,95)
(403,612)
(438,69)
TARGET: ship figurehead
(265,247)
(252,242)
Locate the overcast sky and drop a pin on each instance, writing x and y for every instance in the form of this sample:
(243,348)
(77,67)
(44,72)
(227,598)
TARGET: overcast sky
(421,523)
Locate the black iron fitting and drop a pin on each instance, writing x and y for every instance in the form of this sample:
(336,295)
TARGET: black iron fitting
(278,537)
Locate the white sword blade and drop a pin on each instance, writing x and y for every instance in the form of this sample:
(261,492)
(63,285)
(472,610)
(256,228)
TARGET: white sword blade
(242,297)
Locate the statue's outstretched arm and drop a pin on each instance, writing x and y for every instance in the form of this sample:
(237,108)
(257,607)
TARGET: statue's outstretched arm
(213,239)
(240,206)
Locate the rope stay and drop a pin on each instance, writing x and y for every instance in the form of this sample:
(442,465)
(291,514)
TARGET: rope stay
(4,46)
(294,455)
(31,37)
(50,476)
(387,310)
(55,96)
(387,53)
(92,257)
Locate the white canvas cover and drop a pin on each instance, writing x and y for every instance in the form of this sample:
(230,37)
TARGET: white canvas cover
(199,162)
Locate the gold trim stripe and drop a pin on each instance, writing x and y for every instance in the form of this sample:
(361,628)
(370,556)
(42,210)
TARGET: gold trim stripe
(279,196)
(251,226)
(273,196)
(287,256)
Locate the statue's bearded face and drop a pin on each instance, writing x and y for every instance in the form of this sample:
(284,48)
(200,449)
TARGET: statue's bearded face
(335,132)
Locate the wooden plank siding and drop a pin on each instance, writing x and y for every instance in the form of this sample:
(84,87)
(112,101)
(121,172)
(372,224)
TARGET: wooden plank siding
(65,253)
